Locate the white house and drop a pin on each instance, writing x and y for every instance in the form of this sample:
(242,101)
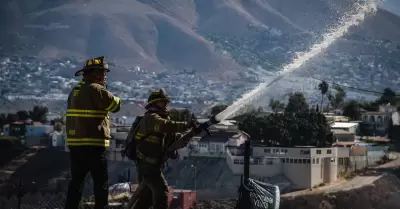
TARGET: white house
(304,166)
(214,145)
(351,127)
(378,121)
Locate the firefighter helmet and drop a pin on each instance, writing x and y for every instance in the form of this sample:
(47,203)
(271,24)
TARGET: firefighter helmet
(159,95)
(93,64)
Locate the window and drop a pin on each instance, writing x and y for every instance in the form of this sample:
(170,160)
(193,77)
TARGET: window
(313,161)
(267,151)
(308,161)
(317,160)
(283,160)
(295,161)
(304,161)
(304,152)
(365,118)
(318,152)
(329,151)
(291,160)
(340,161)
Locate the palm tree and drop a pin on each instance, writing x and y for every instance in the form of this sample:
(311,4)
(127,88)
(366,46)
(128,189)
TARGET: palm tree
(323,88)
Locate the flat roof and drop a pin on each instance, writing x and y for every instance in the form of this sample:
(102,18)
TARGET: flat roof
(343,125)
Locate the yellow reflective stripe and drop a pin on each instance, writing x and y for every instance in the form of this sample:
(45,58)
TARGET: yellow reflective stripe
(86,111)
(80,84)
(114,104)
(88,142)
(87,139)
(147,159)
(157,127)
(152,139)
(85,115)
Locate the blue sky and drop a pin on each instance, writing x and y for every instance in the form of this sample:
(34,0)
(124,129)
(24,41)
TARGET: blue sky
(392,6)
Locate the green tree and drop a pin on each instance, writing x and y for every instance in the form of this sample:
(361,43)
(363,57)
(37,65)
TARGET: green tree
(276,105)
(303,128)
(11,118)
(39,113)
(296,103)
(388,96)
(3,120)
(369,106)
(253,125)
(23,115)
(352,110)
(217,109)
(337,100)
(323,88)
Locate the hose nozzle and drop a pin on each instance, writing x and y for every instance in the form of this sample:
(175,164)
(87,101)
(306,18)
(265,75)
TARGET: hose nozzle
(204,126)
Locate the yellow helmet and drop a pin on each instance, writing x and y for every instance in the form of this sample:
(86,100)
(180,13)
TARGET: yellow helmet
(93,64)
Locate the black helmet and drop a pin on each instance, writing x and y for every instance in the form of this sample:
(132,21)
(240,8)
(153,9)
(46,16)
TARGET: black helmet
(159,95)
(93,64)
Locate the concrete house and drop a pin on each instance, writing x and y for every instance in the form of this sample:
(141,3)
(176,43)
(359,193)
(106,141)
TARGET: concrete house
(350,127)
(305,167)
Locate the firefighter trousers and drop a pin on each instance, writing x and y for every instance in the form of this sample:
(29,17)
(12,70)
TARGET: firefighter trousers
(155,187)
(86,160)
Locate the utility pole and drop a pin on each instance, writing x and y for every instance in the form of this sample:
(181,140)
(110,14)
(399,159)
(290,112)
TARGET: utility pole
(195,177)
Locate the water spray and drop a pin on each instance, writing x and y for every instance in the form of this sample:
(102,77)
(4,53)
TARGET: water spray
(350,19)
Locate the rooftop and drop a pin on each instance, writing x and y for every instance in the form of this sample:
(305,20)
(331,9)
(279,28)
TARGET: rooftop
(343,125)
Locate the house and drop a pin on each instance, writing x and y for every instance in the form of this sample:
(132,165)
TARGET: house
(330,117)
(378,122)
(343,135)
(304,166)
(214,145)
(31,133)
(350,127)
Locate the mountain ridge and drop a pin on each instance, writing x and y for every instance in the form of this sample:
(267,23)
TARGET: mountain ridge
(141,37)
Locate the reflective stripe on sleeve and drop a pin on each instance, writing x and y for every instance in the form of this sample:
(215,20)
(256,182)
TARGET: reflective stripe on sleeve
(151,139)
(114,104)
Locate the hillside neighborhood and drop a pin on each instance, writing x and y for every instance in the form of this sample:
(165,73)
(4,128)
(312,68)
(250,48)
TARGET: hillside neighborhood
(314,149)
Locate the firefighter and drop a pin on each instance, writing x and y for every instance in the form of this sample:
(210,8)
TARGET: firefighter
(88,132)
(154,133)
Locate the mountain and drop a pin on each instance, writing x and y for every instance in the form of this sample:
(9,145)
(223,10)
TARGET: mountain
(149,47)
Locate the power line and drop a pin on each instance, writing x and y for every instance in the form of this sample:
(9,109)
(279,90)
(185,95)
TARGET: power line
(252,54)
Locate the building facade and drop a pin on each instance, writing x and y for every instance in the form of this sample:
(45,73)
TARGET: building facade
(378,122)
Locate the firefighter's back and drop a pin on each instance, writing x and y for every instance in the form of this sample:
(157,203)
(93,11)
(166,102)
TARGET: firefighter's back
(86,123)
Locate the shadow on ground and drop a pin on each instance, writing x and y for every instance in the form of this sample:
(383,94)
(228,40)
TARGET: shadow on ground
(42,169)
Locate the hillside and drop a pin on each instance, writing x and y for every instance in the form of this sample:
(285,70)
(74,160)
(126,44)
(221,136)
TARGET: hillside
(46,41)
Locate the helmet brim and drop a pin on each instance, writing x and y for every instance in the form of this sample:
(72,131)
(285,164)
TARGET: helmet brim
(156,100)
(82,71)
